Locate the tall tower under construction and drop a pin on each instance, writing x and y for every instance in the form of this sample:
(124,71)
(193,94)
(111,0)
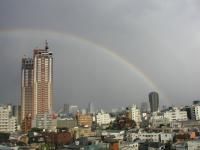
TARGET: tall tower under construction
(26,87)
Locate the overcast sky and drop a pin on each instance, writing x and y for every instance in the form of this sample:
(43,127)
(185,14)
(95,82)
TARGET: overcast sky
(98,44)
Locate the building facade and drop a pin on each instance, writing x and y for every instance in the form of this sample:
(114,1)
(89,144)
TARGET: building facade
(8,123)
(103,118)
(66,123)
(84,120)
(154,101)
(26,87)
(195,112)
(135,114)
(42,81)
(175,114)
(37,84)
(45,121)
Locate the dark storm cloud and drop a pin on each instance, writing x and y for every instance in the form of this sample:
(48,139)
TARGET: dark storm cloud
(159,37)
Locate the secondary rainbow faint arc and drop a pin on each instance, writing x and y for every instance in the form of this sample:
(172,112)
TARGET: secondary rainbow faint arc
(108,51)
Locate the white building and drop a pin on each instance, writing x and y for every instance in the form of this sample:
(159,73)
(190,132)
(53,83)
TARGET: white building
(175,114)
(193,145)
(195,112)
(117,134)
(135,114)
(8,123)
(153,137)
(157,120)
(129,145)
(103,118)
(166,137)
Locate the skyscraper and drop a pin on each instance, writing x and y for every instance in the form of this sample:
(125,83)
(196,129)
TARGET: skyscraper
(91,108)
(26,87)
(42,81)
(66,108)
(154,101)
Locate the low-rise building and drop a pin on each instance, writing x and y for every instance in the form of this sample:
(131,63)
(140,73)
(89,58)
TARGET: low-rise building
(193,145)
(166,137)
(84,120)
(115,134)
(45,121)
(158,120)
(66,123)
(145,136)
(129,145)
(103,118)
(176,114)
(83,132)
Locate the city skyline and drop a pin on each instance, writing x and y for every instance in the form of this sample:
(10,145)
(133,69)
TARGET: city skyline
(113,54)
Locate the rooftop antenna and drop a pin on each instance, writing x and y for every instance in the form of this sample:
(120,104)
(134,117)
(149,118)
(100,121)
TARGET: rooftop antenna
(46,45)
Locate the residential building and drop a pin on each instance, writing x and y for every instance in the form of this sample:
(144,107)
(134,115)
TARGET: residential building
(42,81)
(103,118)
(166,137)
(84,120)
(83,132)
(146,136)
(195,112)
(116,134)
(193,145)
(176,114)
(135,114)
(158,120)
(189,110)
(45,121)
(66,123)
(129,145)
(8,123)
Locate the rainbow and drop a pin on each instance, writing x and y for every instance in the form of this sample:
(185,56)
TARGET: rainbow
(110,52)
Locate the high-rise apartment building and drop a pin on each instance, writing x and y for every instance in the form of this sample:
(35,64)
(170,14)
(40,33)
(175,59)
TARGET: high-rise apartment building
(154,101)
(26,87)
(36,83)
(42,81)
